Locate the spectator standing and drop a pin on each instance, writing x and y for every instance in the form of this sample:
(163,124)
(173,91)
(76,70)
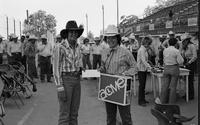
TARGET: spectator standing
(86,49)
(143,68)
(189,53)
(44,55)
(30,52)
(97,49)
(14,49)
(172,60)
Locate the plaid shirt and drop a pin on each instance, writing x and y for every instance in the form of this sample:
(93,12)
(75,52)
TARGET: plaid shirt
(117,61)
(69,60)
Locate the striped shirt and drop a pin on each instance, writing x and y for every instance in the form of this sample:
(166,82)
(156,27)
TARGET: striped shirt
(69,60)
(118,60)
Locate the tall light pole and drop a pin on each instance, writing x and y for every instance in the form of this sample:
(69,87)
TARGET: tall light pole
(103,17)
(14,27)
(117,13)
(87,23)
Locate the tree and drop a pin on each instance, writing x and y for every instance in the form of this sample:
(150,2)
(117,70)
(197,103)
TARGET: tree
(160,4)
(39,22)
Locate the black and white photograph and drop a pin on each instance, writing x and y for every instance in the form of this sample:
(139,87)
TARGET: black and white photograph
(99,62)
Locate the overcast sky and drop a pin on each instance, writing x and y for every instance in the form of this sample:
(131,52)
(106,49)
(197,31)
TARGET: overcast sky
(65,10)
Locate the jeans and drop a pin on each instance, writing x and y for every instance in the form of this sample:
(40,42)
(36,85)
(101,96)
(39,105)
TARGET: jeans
(142,75)
(86,61)
(45,67)
(111,110)
(96,61)
(191,67)
(69,105)
(168,89)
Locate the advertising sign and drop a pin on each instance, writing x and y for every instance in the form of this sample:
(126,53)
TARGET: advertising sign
(138,28)
(192,21)
(169,24)
(115,89)
(151,26)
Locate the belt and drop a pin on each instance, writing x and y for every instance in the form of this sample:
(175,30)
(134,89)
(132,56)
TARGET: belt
(75,73)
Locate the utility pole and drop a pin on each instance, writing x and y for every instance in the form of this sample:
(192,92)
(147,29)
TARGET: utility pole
(20,30)
(87,23)
(103,17)
(14,27)
(7,27)
(27,15)
(117,13)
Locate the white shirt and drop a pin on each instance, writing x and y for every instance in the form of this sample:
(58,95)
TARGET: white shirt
(45,50)
(142,59)
(172,56)
(86,48)
(14,47)
(97,49)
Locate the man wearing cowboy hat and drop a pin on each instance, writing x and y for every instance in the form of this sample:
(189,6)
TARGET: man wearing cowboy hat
(171,35)
(44,57)
(30,51)
(68,75)
(96,51)
(15,49)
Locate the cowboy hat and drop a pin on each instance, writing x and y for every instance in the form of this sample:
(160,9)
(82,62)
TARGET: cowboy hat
(111,31)
(32,37)
(43,36)
(171,33)
(132,36)
(72,26)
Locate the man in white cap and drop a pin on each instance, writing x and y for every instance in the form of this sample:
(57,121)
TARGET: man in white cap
(44,57)
(14,49)
(96,52)
(171,35)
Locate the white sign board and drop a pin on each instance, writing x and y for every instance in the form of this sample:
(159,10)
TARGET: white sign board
(138,28)
(151,26)
(169,24)
(192,21)
(90,73)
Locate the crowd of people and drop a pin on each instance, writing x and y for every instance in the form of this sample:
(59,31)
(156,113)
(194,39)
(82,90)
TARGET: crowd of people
(111,54)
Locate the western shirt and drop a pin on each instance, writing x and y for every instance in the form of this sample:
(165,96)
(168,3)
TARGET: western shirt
(69,60)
